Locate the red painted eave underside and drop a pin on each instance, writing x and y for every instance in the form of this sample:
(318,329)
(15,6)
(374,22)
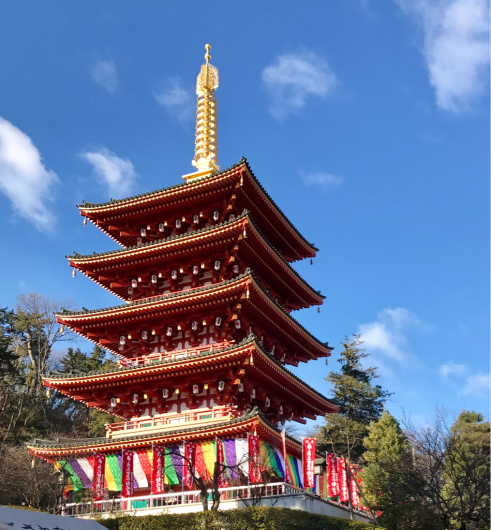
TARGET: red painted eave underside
(197,194)
(255,304)
(263,370)
(255,251)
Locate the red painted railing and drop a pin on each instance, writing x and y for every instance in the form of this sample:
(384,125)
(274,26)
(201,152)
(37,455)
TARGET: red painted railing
(205,415)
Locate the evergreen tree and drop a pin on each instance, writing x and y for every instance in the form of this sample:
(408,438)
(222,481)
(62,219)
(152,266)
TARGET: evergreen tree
(384,444)
(359,400)
(467,470)
(91,421)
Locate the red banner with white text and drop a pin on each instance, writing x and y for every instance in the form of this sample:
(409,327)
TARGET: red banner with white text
(158,469)
(98,483)
(222,471)
(287,476)
(127,478)
(332,475)
(254,460)
(343,481)
(189,463)
(308,462)
(355,497)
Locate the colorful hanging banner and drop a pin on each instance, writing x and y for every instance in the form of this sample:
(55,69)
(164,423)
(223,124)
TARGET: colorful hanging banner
(222,470)
(343,481)
(158,469)
(127,478)
(332,475)
(98,484)
(254,460)
(189,464)
(355,498)
(308,462)
(287,476)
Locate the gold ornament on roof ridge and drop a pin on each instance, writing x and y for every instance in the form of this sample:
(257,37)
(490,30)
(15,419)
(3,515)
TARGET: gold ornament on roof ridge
(206,144)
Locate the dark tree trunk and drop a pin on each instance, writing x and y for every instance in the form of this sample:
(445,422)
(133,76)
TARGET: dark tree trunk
(216,493)
(203,492)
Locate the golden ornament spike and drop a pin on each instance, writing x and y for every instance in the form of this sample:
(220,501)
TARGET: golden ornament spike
(206,145)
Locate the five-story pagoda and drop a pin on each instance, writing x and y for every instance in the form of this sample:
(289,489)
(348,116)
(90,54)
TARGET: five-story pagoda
(204,334)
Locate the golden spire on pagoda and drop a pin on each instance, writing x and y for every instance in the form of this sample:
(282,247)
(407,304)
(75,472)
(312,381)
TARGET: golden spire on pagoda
(206,145)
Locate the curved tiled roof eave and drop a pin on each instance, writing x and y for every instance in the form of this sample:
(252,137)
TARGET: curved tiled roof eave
(91,442)
(152,244)
(94,206)
(183,294)
(249,340)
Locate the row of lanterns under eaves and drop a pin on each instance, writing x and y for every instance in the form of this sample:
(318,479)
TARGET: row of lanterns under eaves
(169,331)
(195,389)
(178,224)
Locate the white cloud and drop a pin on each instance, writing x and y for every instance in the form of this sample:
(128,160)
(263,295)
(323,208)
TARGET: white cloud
(293,78)
(321,179)
(175,99)
(451,368)
(23,177)
(104,73)
(118,175)
(456,47)
(386,334)
(477,385)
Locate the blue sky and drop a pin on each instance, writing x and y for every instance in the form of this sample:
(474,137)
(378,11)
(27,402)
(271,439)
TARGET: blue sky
(368,122)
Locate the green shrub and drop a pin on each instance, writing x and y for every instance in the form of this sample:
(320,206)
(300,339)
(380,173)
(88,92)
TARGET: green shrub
(261,518)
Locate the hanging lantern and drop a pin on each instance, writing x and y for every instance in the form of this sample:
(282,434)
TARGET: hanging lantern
(218,322)
(154,278)
(161,227)
(253,393)
(173,275)
(240,387)
(236,269)
(195,269)
(74,273)
(196,219)
(85,221)
(130,290)
(168,332)
(217,265)
(194,325)
(165,393)
(232,217)
(237,324)
(48,393)
(178,223)
(216,215)
(113,402)
(134,284)
(280,410)
(267,403)
(195,389)
(221,386)
(62,330)
(135,399)
(122,340)
(318,310)
(143,232)
(139,241)
(144,335)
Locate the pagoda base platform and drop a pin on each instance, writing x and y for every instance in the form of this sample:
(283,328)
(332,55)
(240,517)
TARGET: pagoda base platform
(279,495)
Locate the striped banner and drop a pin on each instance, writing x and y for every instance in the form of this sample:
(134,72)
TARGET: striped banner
(236,455)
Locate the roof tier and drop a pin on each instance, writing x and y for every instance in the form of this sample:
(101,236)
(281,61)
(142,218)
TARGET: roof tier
(250,422)
(250,377)
(229,310)
(225,192)
(195,258)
